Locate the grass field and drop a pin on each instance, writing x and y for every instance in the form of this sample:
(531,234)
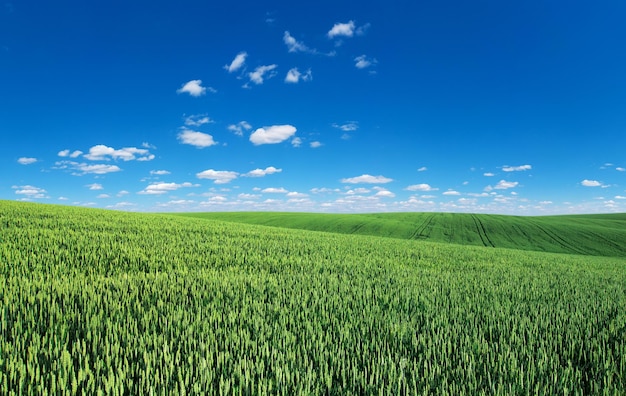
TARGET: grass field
(602,235)
(96,301)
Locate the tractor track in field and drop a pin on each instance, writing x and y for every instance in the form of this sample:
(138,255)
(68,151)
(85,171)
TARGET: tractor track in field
(482,233)
(417,234)
(560,241)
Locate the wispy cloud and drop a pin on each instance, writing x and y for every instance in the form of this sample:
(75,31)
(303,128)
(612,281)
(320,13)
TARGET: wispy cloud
(488,174)
(362,62)
(95,186)
(101,152)
(218,177)
(516,168)
(421,187)
(367,179)
(83,168)
(239,128)
(294,76)
(30,192)
(296,142)
(262,172)
(198,120)
(26,160)
(261,73)
(315,144)
(347,127)
(67,153)
(273,190)
(294,45)
(159,172)
(422,169)
(237,63)
(272,134)
(196,139)
(194,88)
(163,188)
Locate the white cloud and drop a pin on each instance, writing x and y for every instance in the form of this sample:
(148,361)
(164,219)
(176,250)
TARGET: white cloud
(159,172)
(293,45)
(273,190)
(421,187)
(294,76)
(591,183)
(516,168)
(259,74)
(248,196)
(198,120)
(31,192)
(95,186)
(237,63)
(620,197)
(98,169)
(367,179)
(451,192)
(162,188)
(359,190)
(361,30)
(218,177)
(103,196)
(315,144)
(67,153)
(385,193)
(26,160)
(504,185)
(362,62)
(620,169)
(272,134)
(341,29)
(347,127)
(545,203)
(263,172)
(122,193)
(422,169)
(194,88)
(488,174)
(238,128)
(197,139)
(296,142)
(101,152)
(295,194)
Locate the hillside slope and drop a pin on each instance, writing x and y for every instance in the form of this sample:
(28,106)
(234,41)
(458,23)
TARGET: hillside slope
(596,235)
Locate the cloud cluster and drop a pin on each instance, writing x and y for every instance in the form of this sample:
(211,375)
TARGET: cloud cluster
(294,76)
(218,177)
(101,152)
(30,192)
(81,168)
(270,170)
(516,168)
(239,128)
(365,178)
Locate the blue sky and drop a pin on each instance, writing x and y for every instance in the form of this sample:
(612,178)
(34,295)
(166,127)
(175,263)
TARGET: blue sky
(335,106)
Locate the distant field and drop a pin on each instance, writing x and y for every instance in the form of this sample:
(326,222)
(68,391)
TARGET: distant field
(596,235)
(105,302)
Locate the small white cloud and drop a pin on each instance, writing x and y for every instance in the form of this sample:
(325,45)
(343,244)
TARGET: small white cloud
(239,128)
(237,63)
(296,142)
(259,74)
(30,192)
(293,45)
(488,174)
(122,193)
(315,144)
(591,183)
(421,187)
(103,196)
(294,76)
(516,168)
(272,134)
(26,160)
(362,62)
(194,88)
(263,172)
(347,127)
(273,190)
(451,192)
(159,172)
(422,169)
(95,186)
(341,30)
(504,185)
(545,203)
(620,197)
(67,153)
(620,169)
(162,188)
(248,196)
(198,120)
(197,139)
(361,30)
(385,193)
(367,179)
(101,152)
(295,194)
(218,177)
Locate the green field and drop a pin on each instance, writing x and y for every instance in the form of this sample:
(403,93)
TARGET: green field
(96,301)
(596,235)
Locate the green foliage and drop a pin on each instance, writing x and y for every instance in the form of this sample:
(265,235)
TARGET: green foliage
(100,302)
(596,235)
